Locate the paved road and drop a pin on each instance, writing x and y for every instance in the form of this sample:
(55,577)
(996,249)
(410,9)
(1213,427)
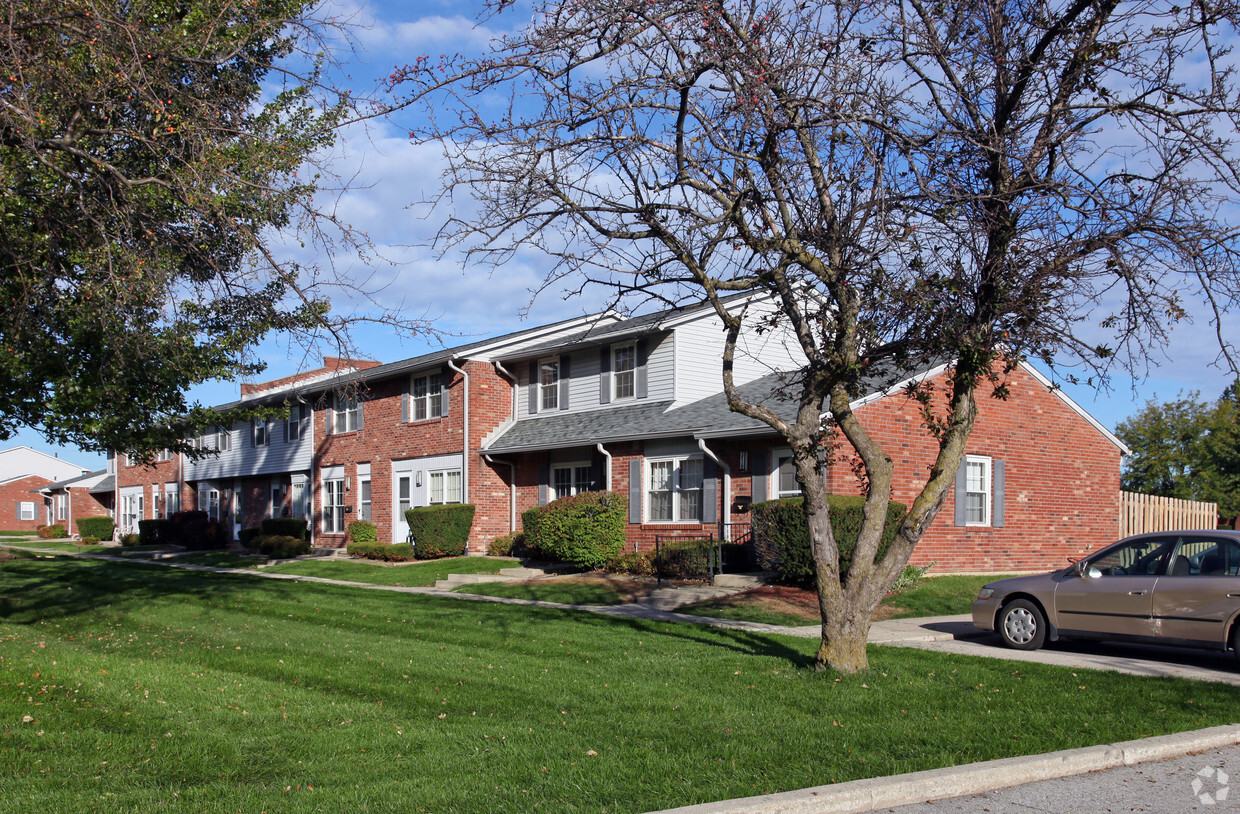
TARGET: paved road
(1207,782)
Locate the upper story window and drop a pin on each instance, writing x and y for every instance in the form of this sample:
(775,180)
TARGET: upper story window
(426,400)
(549,384)
(223,439)
(624,371)
(347,415)
(259,429)
(292,424)
(164,455)
(674,491)
(977,479)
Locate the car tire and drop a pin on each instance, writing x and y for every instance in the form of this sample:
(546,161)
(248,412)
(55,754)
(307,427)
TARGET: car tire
(1022,625)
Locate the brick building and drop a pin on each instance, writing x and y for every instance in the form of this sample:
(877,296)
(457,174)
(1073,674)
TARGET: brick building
(23,471)
(635,406)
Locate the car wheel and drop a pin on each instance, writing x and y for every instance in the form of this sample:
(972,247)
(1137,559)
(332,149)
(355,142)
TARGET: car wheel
(1022,625)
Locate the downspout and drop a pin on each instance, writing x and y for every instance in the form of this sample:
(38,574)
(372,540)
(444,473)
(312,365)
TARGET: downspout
(512,490)
(726,490)
(116,497)
(465,433)
(606,466)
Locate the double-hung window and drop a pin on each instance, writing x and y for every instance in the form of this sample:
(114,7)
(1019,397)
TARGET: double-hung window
(292,424)
(674,492)
(347,415)
(25,510)
(333,506)
(977,498)
(223,439)
(426,400)
(445,487)
(624,371)
(549,384)
(363,500)
(260,432)
(570,479)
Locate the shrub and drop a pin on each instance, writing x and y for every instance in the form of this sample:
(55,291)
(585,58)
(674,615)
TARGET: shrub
(246,537)
(503,546)
(131,539)
(55,532)
(195,531)
(363,531)
(585,529)
(639,565)
(286,527)
(440,531)
(684,559)
(360,549)
(281,546)
(153,532)
(781,538)
(911,577)
(90,541)
(98,527)
(401,552)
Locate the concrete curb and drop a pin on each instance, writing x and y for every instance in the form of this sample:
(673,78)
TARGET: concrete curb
(878,793)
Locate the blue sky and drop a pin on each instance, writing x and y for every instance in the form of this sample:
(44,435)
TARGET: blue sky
(388,173)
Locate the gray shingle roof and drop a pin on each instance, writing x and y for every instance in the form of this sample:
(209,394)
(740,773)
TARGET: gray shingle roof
(60,484)
(108,484)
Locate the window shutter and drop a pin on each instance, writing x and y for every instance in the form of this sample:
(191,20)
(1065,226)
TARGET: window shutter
(254,433)
(443,395)
(533,391)
(962,512)
(361,412)
(759,465)
(404,402)
(604,375)
(635,490)
(292,416)
(642,379)
(544,483)
(997,495)
(331,413)
(19,510)
(566,376)
(303,419)
(710,491)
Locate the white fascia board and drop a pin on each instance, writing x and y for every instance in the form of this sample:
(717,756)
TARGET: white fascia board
(537,336)
(300,384)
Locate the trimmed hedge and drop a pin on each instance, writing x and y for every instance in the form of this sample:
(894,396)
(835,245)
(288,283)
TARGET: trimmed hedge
(247,536)
(98,527)
(281,546)
(53,532)
(635,563)
(440,531)
(286,527)
(196,531)
(153,532)
(401,552)
(781,537)
(585,529)
(363,531)
(503,546)
(131,539)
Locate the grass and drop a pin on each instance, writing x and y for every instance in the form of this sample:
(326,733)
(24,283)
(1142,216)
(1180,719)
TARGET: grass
(739,609)
(414,575)
(131,688)
(17,534)
(939,596)
(61,545)
(218,559)
(565,590)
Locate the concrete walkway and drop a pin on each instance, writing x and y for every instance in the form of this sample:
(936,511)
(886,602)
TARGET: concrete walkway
(947,789)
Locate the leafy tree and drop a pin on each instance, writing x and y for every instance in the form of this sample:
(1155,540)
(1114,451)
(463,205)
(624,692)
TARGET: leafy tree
(908,180)
(153,156)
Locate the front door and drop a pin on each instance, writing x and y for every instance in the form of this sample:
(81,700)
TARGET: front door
(404,502)
(236,512)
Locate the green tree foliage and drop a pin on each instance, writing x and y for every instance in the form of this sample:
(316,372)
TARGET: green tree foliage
(151,154)
(1187,449)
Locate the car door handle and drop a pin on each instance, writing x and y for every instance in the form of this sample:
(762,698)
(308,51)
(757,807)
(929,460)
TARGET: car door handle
(1233,595)
(1136,593)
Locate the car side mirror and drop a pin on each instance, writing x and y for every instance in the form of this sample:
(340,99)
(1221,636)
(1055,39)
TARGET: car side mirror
(1084,571)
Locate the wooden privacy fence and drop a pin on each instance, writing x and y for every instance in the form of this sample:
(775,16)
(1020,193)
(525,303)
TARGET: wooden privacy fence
(1142,513)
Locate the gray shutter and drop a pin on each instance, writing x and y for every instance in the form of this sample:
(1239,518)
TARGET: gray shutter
(566,376)
(19,510)
(331,413)
(404,401)
(253,432)
(361,412)
(759,465)
(710,491)
(642,358)
(304,412)
(635,490)
(544,484)
(533,391)
(292,416)
(962,512)
(443,394)
(997,496)
(604,375)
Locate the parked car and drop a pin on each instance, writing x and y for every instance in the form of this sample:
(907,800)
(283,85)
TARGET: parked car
(1174,588)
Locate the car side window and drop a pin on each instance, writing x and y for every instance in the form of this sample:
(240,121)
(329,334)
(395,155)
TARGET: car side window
(1205,556)
(1144,557)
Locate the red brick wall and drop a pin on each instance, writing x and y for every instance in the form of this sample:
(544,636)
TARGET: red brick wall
(18,491)
(84,504)
(155,474)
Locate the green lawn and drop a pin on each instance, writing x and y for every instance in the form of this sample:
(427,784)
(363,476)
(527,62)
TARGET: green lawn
(61,545)
(939,596)
(218,559)
(413,575)
(565,590)
(129,688)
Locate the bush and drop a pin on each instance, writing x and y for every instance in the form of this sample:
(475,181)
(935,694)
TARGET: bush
(684,559)
(196,532)
(56,532)
(911,577)
(286,527)
(363,531)
(90,541)
(131,539)
(281,546)
(401,552)
(246,537)
(440,531)
(98,527)
(585,529)
(781,538)
(503,546)
(368,550)
(153,532)
(638,565)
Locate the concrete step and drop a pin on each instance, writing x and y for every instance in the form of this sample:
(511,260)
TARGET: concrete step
(744,582)
(673,598)
(514,574)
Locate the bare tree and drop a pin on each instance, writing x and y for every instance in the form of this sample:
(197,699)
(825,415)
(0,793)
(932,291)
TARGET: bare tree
(979,181)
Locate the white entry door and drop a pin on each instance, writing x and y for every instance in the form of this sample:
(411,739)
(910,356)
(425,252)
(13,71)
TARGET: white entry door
(404,502)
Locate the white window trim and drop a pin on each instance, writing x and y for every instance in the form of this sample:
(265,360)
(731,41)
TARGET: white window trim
(572,468)
(443,475)
(365,499)
(330,509)
(431,401)
(553,388)
(22,505)
(223,439)
(615,372)
(775,486)
(676,489)
(257,427)
(988,483)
